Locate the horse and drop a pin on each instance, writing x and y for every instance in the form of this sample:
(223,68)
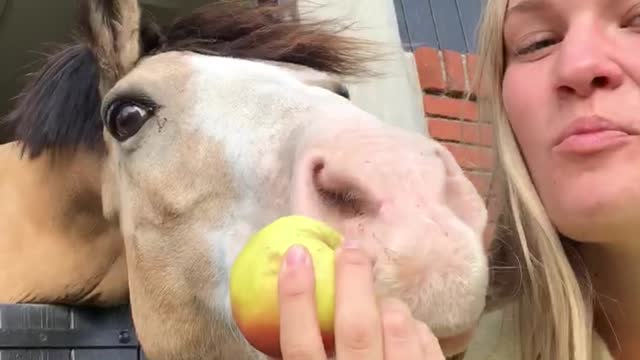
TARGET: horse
(167,147)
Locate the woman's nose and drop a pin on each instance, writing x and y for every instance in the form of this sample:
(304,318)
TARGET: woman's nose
(586,63)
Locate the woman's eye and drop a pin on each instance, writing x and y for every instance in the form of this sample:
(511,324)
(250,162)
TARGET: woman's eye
(534,46)
(124,119)
(634,22)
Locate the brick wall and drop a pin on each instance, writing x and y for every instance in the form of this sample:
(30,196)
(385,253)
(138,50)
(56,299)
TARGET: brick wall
(446,80)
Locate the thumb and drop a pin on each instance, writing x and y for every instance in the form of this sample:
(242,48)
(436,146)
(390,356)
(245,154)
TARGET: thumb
(429,342)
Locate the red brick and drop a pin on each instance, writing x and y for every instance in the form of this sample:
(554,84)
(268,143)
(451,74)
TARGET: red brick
(448,107)
(472,61)
(454,70)
(460,131)
(486,135)
(429,69)
(474,79)
(481,181)
(444,129)
(471,157)
(477,133)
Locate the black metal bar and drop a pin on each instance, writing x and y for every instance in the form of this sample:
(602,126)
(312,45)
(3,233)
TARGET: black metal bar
(66,338)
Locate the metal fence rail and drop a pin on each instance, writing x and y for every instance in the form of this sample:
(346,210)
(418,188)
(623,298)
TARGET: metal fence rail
(48,332)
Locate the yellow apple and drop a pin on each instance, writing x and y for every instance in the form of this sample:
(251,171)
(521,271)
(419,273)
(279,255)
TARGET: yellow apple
(254,279)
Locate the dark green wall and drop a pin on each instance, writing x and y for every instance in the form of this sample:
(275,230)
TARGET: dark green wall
(30,27)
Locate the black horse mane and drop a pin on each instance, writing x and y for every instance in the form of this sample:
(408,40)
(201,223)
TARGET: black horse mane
(59,107)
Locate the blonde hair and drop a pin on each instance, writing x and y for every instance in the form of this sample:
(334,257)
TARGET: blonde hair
(553,306)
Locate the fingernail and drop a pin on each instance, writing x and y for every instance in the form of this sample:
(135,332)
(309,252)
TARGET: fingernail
(296,256)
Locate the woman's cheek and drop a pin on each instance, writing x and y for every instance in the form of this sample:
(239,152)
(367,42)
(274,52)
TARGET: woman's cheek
(528,112)
(518,96)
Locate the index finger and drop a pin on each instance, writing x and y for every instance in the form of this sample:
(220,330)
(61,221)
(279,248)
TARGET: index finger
(299,330)
(358,328)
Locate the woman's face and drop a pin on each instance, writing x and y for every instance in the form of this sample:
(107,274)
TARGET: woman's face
(572,95)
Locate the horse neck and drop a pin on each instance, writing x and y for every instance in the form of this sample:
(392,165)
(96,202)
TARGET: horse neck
(71,186)
(54,237)
(61,192)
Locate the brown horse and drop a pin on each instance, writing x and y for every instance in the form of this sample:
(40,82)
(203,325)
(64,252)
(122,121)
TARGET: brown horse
(55,244)
(189,138)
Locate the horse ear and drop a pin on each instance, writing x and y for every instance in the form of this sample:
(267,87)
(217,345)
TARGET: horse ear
(60,107)
(112,30)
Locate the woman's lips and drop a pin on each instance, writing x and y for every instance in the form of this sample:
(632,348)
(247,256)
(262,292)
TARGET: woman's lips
(589,135)
(592,142)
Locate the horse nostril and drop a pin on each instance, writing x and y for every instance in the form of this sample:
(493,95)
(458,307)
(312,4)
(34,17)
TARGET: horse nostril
(339,192)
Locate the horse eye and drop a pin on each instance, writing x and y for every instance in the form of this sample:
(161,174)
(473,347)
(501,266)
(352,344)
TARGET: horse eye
(124,119)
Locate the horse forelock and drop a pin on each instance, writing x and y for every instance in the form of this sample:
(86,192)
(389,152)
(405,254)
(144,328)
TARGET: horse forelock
(60,107)
(267,32)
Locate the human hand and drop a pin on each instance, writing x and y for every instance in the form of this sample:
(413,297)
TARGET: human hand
(364,329)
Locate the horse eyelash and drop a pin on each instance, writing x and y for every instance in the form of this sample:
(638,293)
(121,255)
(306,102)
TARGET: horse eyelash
(135,98)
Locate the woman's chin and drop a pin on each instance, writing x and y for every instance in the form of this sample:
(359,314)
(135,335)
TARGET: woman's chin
(582,213)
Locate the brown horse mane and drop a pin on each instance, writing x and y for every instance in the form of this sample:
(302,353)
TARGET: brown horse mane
(59,109)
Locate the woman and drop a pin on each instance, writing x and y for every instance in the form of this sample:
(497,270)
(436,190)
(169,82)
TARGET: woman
(560,81)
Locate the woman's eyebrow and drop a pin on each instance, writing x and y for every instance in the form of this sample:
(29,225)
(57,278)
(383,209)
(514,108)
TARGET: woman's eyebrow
(527,6)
